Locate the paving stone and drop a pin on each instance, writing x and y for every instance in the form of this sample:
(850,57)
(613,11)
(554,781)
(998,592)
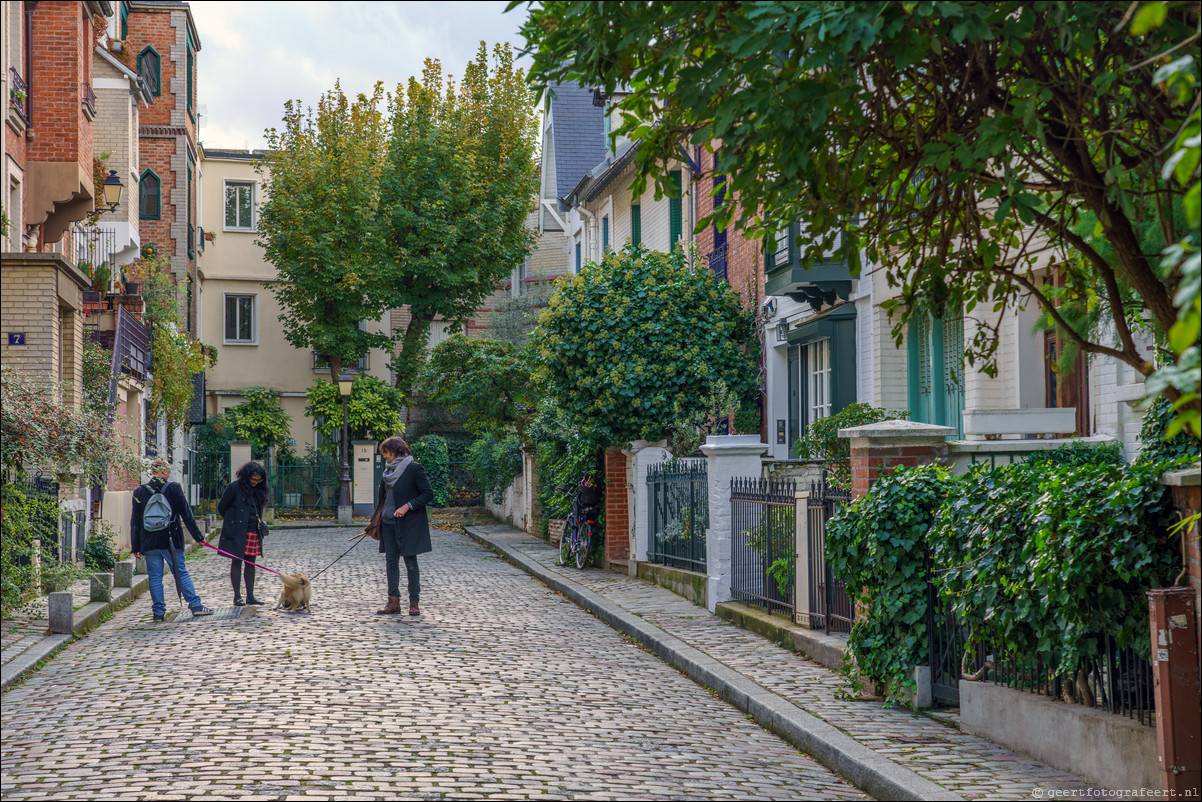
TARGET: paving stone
(499,690)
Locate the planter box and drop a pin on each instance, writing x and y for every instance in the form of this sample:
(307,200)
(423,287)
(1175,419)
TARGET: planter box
(292,499)
(986,424)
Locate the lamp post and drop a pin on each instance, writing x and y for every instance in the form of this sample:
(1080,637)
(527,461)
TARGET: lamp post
(345,508)
(111,188)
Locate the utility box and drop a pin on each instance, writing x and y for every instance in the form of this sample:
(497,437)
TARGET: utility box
(363,475)
(1176,685)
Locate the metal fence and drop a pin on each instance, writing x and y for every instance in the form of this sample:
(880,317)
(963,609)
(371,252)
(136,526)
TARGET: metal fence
(63,535)
(679,512)
(304,488)
(763,543)
(829,606)
(208,474)
(465,490)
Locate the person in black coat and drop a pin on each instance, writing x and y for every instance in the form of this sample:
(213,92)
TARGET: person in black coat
(403,495)
(241,507)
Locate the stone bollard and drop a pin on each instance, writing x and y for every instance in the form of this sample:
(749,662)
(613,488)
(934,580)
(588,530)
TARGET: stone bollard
(102,587)
(140,565)
(62,612)
(123,574)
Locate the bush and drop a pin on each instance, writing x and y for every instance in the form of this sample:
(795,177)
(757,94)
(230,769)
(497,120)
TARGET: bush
(1151,435)
(431,452)
(261,419)
(496,462)
(100,553)
(27,517)
(373,411)
(1079,452)
(878,547)
(822,440)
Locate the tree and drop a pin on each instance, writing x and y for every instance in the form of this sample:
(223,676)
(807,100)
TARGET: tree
(488,382)
(320,226)
(261,418)
(461,180)
(373,411)
(640,340)
(957,144)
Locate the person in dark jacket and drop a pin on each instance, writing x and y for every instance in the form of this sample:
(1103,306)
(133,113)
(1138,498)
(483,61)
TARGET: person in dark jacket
(405,529)
(240,508)
(164,550)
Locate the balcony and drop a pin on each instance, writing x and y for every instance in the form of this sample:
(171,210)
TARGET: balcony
(821,285)
(88,101)
(717,261)
(122,333)
(18,95)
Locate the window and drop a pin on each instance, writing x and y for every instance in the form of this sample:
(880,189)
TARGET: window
(148,68)
(188,219)
(240,319)
(675,208)
(191,68)
(636,224)
(604,234)
(519,278)
(149,196)
(239,206)
(818,378)
(124,21)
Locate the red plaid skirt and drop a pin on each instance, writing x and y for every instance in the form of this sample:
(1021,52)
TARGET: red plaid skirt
(253,547)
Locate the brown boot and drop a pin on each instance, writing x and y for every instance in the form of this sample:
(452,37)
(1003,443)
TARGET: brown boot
(413,608)
(394,606)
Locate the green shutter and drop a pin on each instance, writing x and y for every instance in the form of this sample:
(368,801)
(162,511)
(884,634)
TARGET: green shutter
(675,210)
(189,218)
(636,225)
(604,235)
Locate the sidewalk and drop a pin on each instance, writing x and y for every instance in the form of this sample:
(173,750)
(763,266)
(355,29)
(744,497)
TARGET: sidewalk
(887,752)
(25,639)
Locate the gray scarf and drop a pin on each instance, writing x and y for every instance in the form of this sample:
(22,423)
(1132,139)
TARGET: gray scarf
(394,469)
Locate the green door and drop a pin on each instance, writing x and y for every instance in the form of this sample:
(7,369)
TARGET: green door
(935,371)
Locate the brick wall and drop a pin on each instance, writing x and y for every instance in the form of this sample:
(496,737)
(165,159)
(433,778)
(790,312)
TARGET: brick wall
(870,462)
(62,45)
(28,298)
(617,514)
(744,257)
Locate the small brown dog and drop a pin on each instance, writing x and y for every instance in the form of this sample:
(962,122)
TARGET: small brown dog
(297,593)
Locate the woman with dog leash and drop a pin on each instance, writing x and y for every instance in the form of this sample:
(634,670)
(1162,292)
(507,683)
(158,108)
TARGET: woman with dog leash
(405,529)
(241,508)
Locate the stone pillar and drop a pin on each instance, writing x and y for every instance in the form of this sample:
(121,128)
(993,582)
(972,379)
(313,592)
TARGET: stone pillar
(123,574)
(643,455)
(239,456)
(801,572)
(728,456)
(101,588)
(617,515)
(878,448)
(61,607)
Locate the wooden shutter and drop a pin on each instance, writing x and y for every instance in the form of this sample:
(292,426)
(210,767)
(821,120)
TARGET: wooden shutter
(675,209)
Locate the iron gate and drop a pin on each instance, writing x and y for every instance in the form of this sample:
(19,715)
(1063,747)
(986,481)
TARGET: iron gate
(763,523)
(831,608)
(679,510)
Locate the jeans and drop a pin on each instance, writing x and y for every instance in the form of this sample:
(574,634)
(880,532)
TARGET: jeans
(158,561)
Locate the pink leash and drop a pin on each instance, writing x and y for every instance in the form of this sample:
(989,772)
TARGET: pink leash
(236,557)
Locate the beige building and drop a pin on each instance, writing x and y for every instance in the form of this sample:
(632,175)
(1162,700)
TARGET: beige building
(239,314)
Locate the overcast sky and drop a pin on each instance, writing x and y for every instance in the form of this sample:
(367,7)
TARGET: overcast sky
(256,55)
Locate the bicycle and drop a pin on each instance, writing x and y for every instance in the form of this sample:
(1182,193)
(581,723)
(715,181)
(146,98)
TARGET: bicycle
(577,537)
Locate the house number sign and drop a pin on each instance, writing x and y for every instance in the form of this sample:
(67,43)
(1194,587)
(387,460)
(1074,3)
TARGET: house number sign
(16,338)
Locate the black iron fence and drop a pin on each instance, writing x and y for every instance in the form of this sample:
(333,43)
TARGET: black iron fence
(309,487)
(209,473)
(679,510)
(829,606)
(763,549)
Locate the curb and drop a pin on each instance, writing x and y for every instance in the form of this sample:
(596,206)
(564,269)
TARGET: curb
(862,767)
(83,620)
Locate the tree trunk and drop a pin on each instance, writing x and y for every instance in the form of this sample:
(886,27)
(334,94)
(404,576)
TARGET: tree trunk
(408,362)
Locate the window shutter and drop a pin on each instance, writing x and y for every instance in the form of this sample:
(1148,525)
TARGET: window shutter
(604,234)
(636,224)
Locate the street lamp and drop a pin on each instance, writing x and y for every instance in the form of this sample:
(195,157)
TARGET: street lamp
(345,385)
(111,189)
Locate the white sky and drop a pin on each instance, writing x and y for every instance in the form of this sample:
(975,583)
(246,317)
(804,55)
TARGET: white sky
(256,55)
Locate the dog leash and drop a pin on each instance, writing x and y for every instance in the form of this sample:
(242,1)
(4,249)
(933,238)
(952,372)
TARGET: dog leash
(336,559)
(236,557)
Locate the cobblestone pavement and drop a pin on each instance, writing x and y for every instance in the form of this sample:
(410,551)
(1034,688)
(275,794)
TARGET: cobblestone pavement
(501,689)
(966,764)
(28,625)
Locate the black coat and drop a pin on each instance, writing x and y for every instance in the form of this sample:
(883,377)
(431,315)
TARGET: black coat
(181,515)
(239,515)
(413,530)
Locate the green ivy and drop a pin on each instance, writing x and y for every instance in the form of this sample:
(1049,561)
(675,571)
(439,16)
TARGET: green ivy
(1155,448)
(878,547)
(496,462)
(28,517)
(431,452)
(1080,452)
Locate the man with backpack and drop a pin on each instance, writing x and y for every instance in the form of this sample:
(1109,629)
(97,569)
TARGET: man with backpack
(155,533)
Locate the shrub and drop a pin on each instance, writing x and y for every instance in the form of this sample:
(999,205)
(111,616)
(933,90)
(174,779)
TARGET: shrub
(878,547)
(1151,435)
(496,462)
(261,419)
(27,517)
(1079,452)
(431,452)
(373,411)
(100,553)
(822,440)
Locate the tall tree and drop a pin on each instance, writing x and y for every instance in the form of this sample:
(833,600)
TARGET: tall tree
(961,145)
(461,180)
(319,225)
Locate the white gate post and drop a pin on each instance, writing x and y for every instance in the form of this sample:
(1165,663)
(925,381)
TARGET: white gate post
(643,455)
(801,565)
(728,456)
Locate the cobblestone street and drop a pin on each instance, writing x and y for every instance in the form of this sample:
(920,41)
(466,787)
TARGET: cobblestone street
(502,689)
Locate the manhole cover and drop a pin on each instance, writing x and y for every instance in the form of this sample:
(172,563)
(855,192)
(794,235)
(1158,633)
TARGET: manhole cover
(219,614)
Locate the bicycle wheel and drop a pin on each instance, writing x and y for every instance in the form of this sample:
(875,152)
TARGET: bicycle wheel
(584,539)
(565,541)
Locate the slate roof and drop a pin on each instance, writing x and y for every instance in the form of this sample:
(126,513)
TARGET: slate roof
(578,130)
